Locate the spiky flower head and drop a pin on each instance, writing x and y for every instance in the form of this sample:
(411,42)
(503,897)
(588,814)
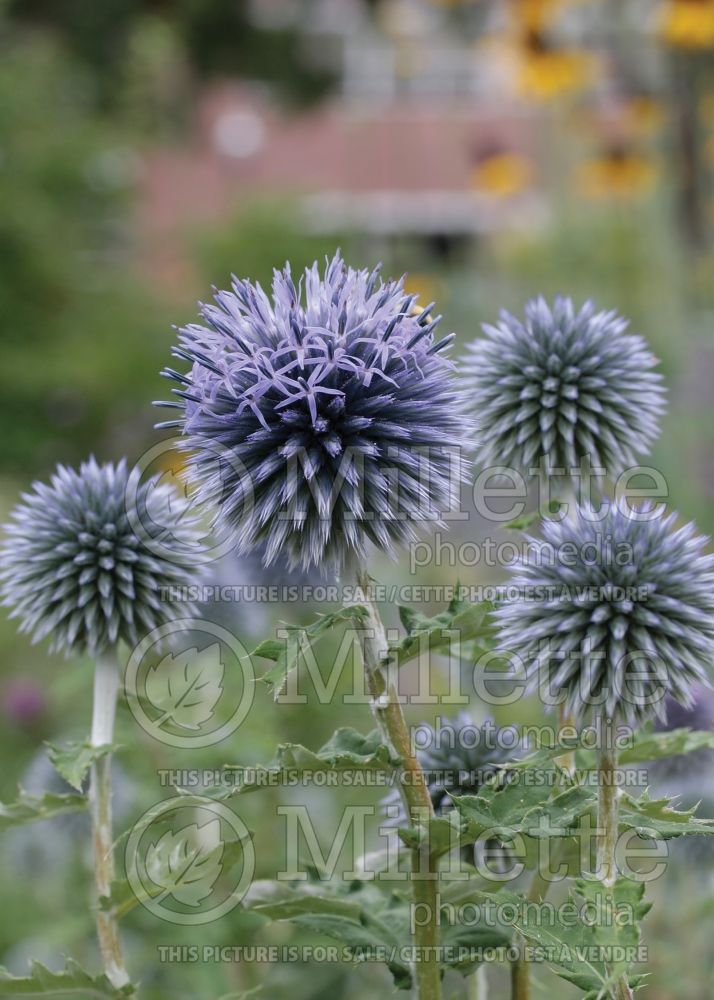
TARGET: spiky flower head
(613,611)
(460,757)
(331,409)
(560,386)
(81,561)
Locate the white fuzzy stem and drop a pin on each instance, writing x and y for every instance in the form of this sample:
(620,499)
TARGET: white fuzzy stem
(106,684)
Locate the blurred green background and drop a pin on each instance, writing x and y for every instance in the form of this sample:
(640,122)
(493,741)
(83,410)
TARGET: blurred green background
(493,149)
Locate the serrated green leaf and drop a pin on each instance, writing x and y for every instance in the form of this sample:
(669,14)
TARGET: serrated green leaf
(649,745)
(371,922)
(461,622)
(73,760)
(592,955)
(285,653)
(346,750)
(32,808)
(656,818)
(71,983)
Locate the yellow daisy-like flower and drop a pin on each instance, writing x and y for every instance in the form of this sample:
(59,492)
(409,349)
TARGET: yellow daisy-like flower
(502,175)
(617,173)
(545,75)
(547,72)
(688,24)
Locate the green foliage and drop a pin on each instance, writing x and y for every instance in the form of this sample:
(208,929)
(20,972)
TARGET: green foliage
(73,761)
(286,652)
(247,246)
(459,623)
(31,808)
(372,922)
(78,357)
(655,819)
(72,982)
(346,750)
(590,953)
(649,745)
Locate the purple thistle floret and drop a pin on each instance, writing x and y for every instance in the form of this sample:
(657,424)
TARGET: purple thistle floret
(561,386)
(80,562)
(613,614)
(322,420)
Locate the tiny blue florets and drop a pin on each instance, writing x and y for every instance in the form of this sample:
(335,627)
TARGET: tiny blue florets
(561,386)
(81,562)
(615,614)
(320,420)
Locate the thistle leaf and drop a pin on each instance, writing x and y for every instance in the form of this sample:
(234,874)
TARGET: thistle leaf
(71,982)
(31,808)
(74,760)
(285,653)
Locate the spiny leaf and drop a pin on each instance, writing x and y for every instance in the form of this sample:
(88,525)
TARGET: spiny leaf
(372,923)
(31,808)
(656,818)
(346,750)
(592,954)
(73,760)
(71,983)
(285,653)
(649,745)
(460,622)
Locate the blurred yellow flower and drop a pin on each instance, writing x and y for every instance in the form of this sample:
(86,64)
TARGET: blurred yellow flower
(503,174)
(688,24)
(645,114)
(618,173)
(534,15)
(548,72)
(427,286)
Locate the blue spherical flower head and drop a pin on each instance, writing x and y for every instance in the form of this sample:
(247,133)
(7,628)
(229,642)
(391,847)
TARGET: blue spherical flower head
(321,420)
(562,386)
(613,614)
(95,556)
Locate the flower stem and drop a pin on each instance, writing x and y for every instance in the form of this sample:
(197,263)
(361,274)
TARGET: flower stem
(106,682)
(477,984)
(607,827)
(388,714)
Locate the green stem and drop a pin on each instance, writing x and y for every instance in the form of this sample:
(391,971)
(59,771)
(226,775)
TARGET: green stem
(520,980)
(388,714)
(106,683)
(477,984)
(607,828)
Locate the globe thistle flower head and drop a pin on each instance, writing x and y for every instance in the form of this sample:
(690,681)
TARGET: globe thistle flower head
(614,612)
(87,557)
(460,758)
(331,407)
(560,386)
